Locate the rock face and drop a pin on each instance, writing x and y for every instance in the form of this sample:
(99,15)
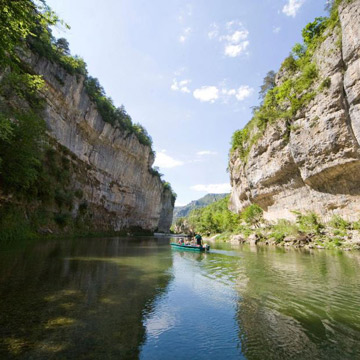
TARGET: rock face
(118,184)
(317,166)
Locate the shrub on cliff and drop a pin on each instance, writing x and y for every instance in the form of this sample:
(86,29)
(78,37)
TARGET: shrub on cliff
(283,101)
(252,215)
(21,150)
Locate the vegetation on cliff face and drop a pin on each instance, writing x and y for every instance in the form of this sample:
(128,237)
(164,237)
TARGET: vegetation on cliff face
(34,173)
(281,100)
(307,230)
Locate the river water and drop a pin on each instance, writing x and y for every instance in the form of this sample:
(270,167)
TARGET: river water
(123,298)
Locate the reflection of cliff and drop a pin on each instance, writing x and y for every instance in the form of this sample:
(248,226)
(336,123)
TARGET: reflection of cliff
(83,299)
(298,306)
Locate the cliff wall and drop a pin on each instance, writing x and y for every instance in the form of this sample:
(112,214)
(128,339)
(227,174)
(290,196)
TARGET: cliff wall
(110,166)
(313,161)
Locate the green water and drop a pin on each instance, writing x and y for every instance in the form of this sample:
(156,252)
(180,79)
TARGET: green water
(136,298)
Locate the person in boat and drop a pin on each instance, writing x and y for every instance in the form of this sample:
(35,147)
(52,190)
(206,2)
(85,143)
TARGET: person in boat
(198,240)
(181,241)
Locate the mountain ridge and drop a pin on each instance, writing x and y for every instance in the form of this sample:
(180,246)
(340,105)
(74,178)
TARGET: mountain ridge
(183,211)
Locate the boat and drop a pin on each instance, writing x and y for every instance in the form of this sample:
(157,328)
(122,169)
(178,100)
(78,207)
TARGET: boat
(190,247)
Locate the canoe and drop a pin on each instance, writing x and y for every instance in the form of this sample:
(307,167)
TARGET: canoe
(190,247)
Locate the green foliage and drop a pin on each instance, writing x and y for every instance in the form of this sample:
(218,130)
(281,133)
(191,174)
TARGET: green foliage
(83,207)
(356,225)
(239,140)
(117,117)
(79,193)
(142,135)
(268,84)
(20,150)
(252,215)
(167,186)
(314,29)
(289,64)
(282,102)
(64,198)
(13,226)
(325,84)
(338,222)
(62,219)
(155,171)
(31,23)
(214,218)
(282,229)
(299,50)
(309,222)
(17,21)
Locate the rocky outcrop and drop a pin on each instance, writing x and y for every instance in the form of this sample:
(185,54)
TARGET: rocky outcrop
(315,164)
(117,183)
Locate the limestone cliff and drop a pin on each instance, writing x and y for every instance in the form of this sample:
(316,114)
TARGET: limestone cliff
(311,162)
(113,169)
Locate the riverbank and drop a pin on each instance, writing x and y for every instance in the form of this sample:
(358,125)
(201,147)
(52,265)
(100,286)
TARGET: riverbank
(329,238)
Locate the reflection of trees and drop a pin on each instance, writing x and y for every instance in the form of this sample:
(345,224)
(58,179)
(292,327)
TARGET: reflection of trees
(299,305)
(83,299)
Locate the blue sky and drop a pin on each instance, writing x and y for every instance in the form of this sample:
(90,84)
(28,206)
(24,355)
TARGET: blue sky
(189,71)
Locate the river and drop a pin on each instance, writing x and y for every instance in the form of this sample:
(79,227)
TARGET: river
(135,298)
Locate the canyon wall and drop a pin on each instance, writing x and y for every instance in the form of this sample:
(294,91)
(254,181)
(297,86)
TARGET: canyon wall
(113,167)
(313,164)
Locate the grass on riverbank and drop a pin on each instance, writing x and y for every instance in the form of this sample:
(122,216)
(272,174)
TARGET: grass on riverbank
(307,231)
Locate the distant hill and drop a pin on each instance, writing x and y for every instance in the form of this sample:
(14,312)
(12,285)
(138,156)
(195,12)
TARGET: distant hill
(182,211)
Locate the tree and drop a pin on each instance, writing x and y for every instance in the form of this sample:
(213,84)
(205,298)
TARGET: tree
(18,21)
(21,151)
(252,214)
(313,29)
(268,84)
(63,46)
(298,50)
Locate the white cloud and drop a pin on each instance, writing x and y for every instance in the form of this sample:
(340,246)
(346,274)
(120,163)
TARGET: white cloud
(243,92)
(162,160)
(276,29)
(206,152)
(185,12)
(236,50)
(229,92)
(185,34)
(211,93)
(214,32)
(181,85)
(234,36)
(292,7)
(206,93)
(212,188)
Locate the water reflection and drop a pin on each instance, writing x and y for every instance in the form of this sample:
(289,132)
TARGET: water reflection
(306,303)
(136,298)
(82,299)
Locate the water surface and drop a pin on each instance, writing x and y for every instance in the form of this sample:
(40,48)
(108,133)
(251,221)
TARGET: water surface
(130,298)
